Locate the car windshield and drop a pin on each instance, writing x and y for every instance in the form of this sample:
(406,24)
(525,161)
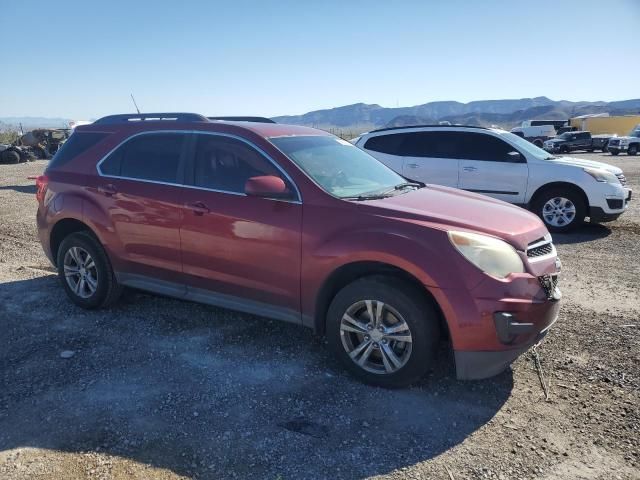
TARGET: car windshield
(339,167)
(635,132)
(565,135)
(527,146)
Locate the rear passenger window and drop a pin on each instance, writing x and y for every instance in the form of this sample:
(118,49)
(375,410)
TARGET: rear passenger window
(389,144)
(432,144)
(225,164)
(76,144)
(155,157)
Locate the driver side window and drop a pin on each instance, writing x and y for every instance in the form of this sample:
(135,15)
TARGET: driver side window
(225,164)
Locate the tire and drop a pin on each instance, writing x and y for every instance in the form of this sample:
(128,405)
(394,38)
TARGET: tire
(106,289)
(538,143)
(564,149)
(401,302)
(632,150)
(614,152)
(568,200)
(10,156)
(605,147)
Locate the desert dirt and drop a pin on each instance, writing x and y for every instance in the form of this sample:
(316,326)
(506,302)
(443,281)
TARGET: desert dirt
(157,388)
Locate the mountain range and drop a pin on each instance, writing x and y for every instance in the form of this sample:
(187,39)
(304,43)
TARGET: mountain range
(505,113)
(360,117)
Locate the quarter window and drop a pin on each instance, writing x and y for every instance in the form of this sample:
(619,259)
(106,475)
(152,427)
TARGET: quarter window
(155,157)
(225,164)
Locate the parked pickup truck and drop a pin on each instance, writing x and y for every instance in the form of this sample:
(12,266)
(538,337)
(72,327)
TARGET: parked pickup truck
(570,141)
(630,143)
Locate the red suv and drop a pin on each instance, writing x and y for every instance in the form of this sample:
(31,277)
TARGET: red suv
(292,223)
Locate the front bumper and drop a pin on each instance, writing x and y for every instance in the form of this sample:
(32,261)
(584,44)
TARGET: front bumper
(477,365)
(495,322)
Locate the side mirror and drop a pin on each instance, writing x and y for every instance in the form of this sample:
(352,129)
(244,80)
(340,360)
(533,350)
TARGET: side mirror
(267,186)
(516,157)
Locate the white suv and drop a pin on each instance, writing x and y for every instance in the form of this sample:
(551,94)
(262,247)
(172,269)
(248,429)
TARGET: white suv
(561,190)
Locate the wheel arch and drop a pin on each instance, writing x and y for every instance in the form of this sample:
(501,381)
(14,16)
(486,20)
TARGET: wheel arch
(566,185)
(348,273)
(62,229)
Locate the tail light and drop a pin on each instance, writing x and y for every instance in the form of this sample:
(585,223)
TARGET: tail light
(41,187)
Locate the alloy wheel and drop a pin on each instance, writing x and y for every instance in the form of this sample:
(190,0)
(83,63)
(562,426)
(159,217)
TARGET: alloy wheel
(559,212)
(376,337)
(80,272)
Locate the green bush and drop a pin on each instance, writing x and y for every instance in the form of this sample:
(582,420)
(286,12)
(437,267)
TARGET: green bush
(9,136)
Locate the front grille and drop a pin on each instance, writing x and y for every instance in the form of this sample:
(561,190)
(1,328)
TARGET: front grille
(622,178)
(540,251)
(540,247)
(614,143)
(549,284)
(614,204)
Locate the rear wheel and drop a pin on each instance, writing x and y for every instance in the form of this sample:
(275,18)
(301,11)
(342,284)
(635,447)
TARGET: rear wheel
(605,147)
(86,273)
(614,152)
(564,149)
(385,331)
(560,209)
(633,150)
(538,143)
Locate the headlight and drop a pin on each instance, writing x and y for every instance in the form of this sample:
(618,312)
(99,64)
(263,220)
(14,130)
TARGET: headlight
(489,254)
(602,175)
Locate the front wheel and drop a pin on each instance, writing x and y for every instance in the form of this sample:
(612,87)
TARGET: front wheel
(564,149)
(86,273)
(560,209)
(385,331)
(633,150)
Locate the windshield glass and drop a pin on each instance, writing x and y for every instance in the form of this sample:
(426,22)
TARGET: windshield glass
(522,144)
(635,132)
(339,167)
(565,135)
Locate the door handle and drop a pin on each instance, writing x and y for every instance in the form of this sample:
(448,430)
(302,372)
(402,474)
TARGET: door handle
(108,190)
(413,165)
(469,169)
(198,208)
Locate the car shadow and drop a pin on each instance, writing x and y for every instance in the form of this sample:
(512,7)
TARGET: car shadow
(210,393)
(587,233)
(20,188)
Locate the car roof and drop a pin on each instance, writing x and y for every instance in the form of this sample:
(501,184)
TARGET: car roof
(194,121)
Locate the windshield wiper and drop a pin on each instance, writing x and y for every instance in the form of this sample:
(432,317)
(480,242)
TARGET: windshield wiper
(365,196)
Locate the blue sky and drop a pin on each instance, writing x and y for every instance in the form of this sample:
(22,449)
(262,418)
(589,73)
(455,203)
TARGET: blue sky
(82,59)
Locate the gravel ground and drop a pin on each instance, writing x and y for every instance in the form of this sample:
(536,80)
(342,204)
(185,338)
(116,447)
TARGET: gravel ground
(162,389)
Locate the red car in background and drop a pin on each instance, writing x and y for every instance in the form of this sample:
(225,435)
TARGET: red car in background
(296,224)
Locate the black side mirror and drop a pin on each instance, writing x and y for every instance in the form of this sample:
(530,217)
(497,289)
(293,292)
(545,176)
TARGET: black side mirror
(516,157)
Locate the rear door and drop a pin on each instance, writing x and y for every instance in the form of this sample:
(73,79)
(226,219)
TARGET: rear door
(140,186)
(491,166)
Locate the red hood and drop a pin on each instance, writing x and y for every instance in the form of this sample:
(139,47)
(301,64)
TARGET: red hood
(451,208)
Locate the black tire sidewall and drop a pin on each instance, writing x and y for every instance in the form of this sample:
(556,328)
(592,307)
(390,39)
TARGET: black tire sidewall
(576,199)
(103,269)
(633,150)
(416,310)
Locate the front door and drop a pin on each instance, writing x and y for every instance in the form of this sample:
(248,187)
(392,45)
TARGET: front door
(238,251)
(491,166)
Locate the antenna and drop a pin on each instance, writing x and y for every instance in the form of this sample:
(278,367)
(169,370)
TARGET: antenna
(135,104)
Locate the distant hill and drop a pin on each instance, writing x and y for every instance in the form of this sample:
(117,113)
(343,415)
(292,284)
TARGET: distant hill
(29,123)
(505,113)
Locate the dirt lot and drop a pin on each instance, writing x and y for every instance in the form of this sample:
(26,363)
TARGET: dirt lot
(162,389)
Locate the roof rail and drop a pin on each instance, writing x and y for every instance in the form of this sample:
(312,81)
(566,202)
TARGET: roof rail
(426,125)
(243,119)
(150,117)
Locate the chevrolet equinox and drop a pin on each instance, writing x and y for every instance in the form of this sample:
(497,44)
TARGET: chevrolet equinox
(295,224)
